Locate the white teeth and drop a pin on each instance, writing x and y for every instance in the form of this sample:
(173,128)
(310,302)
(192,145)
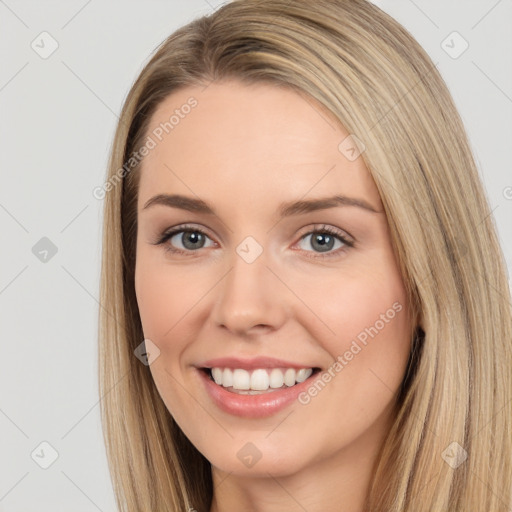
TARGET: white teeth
(227,378)
(217,375)
(276,378)
(259,380)
(303,374)
(289,377)
(241,379)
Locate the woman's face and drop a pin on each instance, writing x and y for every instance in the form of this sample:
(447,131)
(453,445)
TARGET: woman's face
(275,265)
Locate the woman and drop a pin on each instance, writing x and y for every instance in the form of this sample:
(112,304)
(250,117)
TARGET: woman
(305,301)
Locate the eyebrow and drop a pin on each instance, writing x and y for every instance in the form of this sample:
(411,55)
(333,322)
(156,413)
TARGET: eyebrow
(285,210)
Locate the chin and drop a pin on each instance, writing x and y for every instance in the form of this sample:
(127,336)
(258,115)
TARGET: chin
(259,458)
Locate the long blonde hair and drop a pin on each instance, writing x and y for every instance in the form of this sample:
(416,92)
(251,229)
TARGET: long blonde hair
(370,73)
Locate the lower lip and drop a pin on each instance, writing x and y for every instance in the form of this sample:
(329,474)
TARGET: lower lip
(252,406)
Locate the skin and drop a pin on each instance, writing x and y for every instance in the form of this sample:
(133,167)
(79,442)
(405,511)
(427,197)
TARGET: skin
(245,150)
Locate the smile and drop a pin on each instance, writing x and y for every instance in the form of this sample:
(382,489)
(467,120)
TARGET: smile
(261,380)
(254,388)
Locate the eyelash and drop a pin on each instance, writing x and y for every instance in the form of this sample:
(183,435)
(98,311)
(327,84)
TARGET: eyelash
(323,230)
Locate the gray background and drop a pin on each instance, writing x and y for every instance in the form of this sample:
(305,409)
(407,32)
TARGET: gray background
(57,121)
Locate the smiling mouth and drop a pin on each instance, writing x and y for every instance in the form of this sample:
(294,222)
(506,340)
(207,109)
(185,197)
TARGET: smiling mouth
(258,381)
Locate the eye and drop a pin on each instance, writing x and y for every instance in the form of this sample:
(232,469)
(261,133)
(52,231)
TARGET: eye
(185,239)
(325,240)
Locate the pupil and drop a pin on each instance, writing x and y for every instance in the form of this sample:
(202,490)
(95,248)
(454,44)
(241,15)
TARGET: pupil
(325,242)
(192,240)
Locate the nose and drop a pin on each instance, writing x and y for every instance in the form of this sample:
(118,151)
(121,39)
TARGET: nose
(250,299)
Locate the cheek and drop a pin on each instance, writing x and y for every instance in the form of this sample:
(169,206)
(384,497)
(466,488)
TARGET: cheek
(155,299)
(165,299)
(364,306)
(169,301)
(368,317)
(373,342)
(165,296)
(369,348)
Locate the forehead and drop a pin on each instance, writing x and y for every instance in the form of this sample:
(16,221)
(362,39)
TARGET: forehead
(234,140)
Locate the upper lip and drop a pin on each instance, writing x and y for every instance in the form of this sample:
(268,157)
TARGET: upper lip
(252,363)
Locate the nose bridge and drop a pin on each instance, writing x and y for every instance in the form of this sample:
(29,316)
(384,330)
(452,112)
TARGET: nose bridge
(249,295)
